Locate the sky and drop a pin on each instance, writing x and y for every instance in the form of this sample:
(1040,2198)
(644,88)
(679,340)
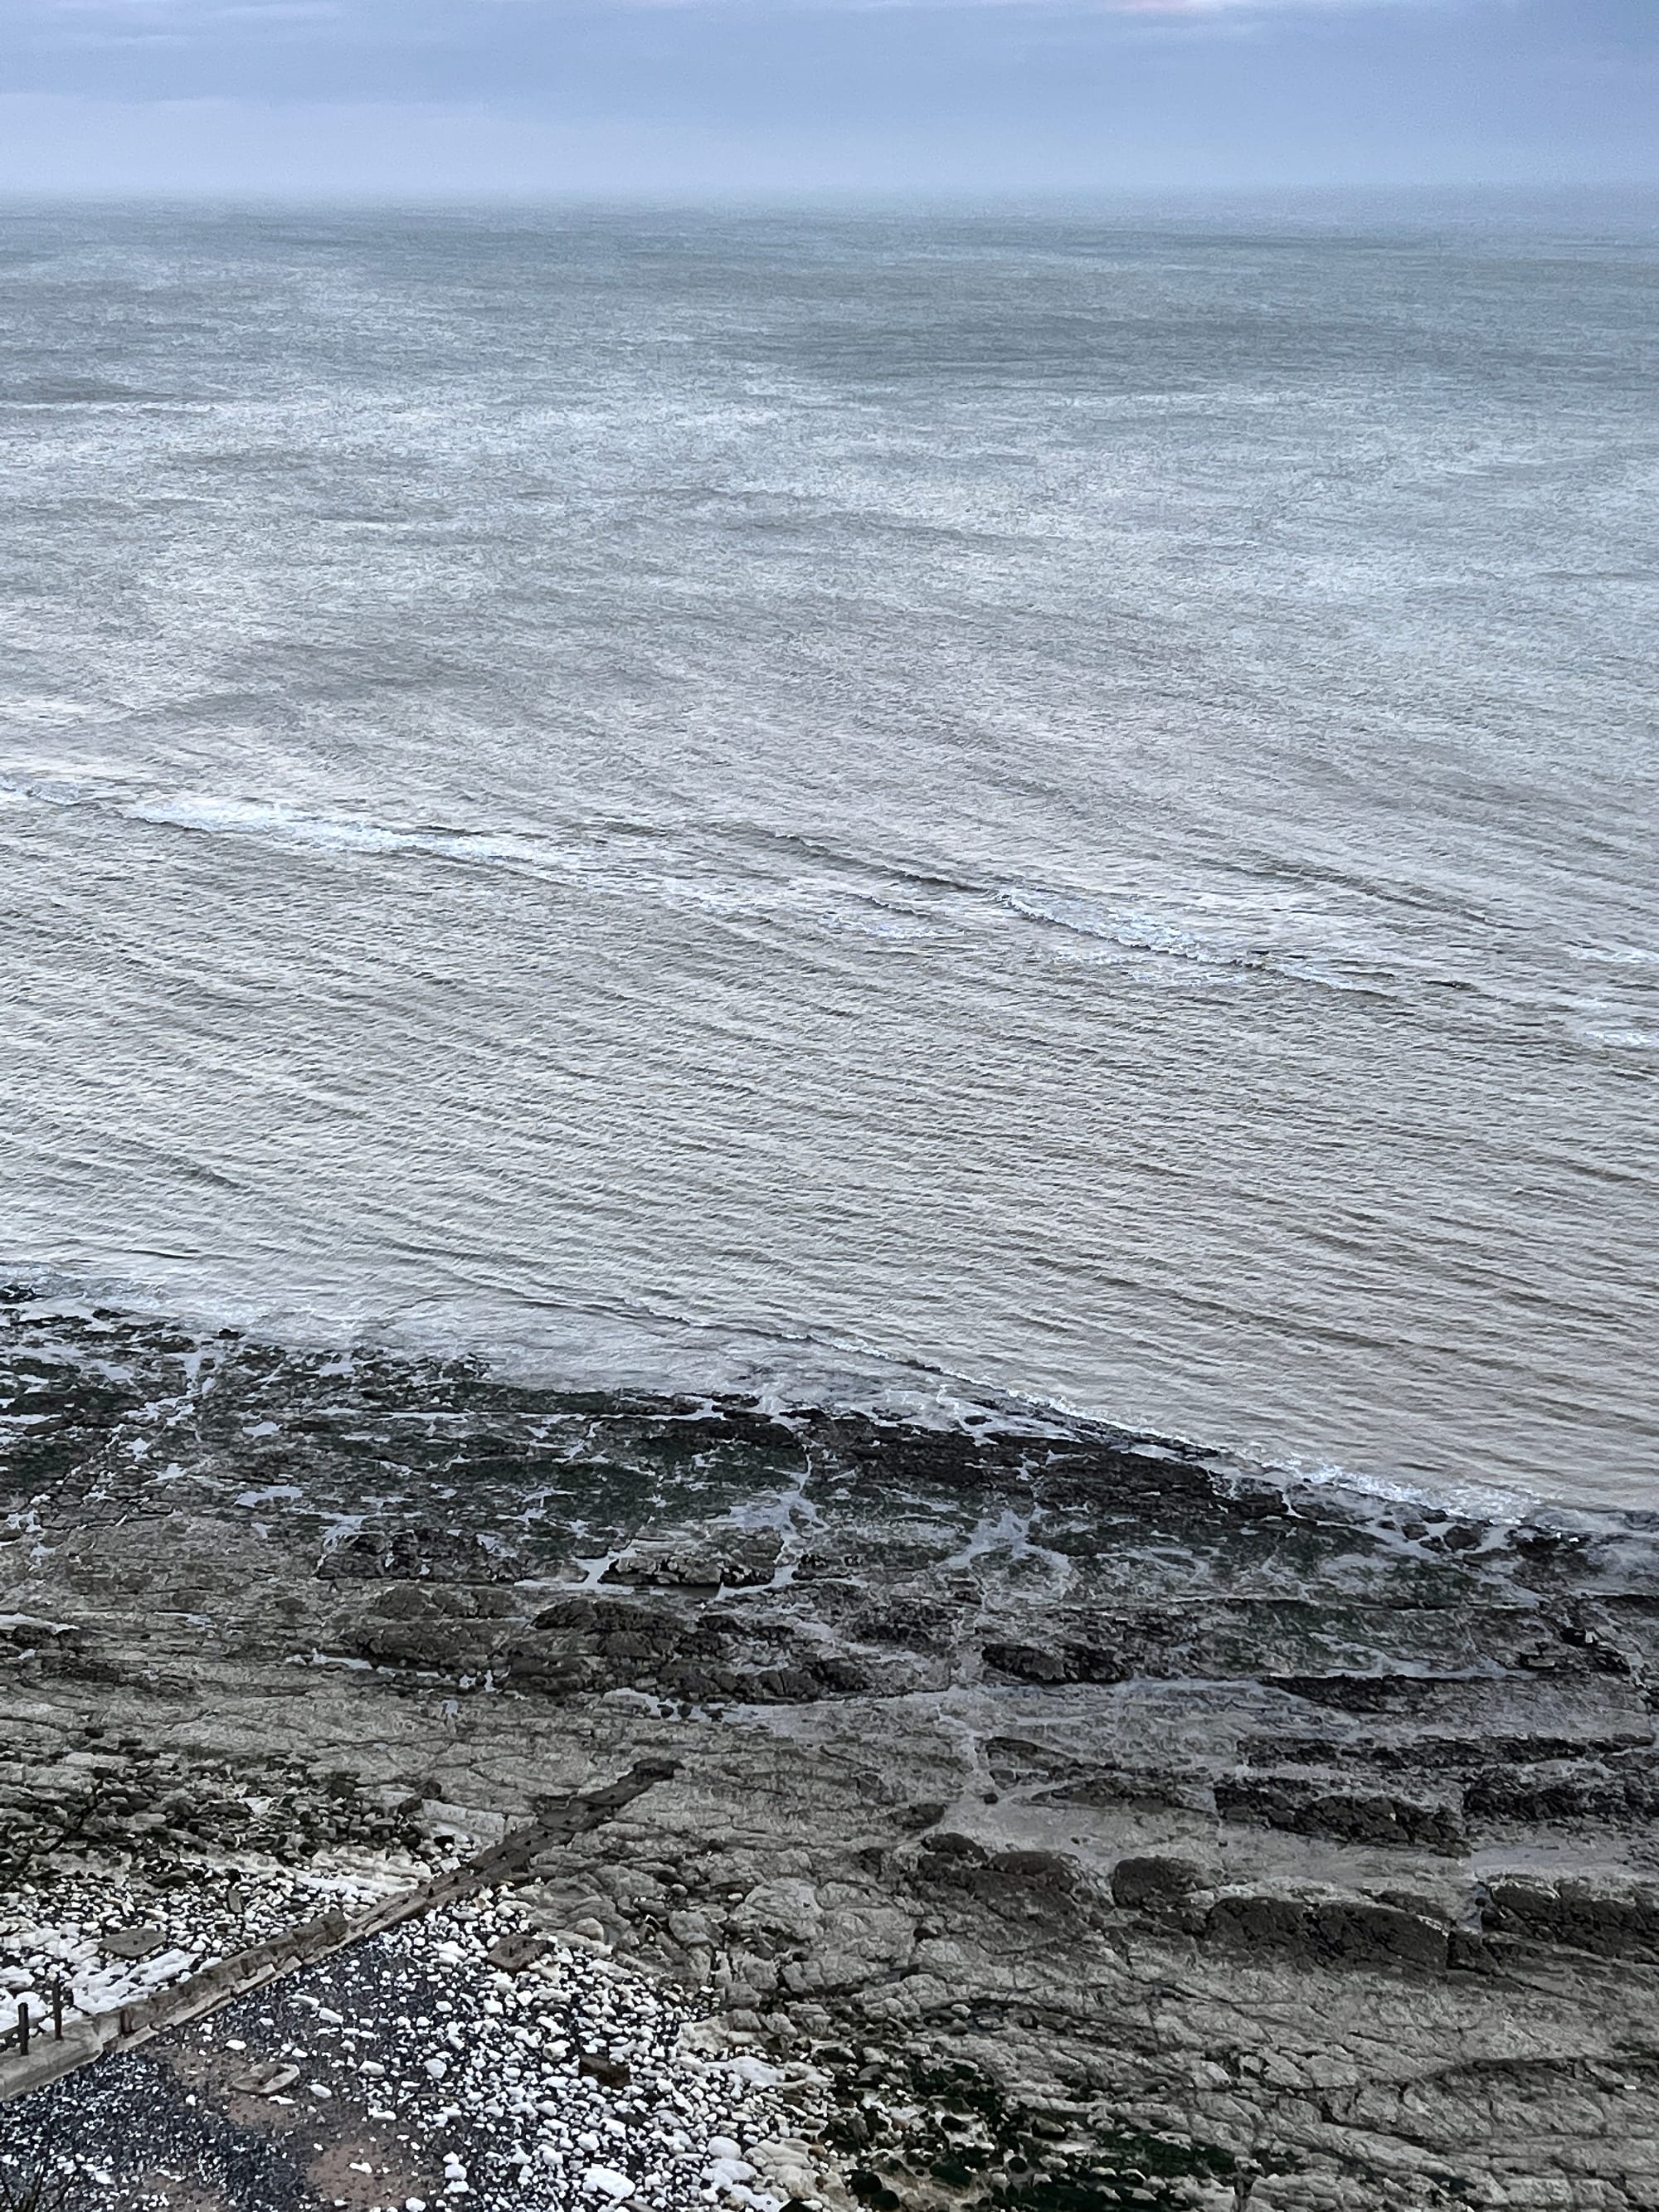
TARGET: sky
(652,98)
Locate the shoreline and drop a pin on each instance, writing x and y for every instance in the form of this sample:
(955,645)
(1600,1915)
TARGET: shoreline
(748,1365)
(1106,1801)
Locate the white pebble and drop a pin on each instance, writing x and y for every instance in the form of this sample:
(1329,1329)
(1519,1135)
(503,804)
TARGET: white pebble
(606,2181)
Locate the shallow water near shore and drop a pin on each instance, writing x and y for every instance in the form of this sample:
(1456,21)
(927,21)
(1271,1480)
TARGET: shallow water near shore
(823,804)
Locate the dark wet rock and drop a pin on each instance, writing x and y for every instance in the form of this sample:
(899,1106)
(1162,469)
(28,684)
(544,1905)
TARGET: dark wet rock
(513,1954)
(386,1553)
(1341,1931)
(268,2079)
(1312,1806)
(131,1942)
(1156,1882)
(1614,1921)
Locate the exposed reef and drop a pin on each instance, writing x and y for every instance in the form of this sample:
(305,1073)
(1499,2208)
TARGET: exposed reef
(1112,1830)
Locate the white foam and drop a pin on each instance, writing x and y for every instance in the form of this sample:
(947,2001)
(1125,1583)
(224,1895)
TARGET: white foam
(613,1348)
(1618,955)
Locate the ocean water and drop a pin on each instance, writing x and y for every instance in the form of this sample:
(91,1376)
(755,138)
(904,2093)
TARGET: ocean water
(838,802)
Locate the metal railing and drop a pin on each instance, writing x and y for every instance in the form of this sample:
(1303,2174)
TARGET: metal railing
(21,2034)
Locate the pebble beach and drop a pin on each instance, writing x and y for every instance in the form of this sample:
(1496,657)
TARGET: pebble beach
(469,2058)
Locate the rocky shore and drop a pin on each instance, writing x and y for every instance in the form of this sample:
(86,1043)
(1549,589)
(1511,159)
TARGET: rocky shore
(1092,1826)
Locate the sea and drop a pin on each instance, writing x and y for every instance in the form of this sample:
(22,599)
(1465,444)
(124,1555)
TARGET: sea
(1040,805)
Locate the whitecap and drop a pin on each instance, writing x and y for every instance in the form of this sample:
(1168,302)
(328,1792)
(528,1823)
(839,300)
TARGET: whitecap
(1617,956)
(1619,1040)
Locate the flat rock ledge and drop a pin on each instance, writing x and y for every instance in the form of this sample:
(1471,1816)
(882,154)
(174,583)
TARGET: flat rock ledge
(1100,1827)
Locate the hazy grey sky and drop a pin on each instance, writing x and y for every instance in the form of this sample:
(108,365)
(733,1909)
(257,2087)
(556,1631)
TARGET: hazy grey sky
(659,96)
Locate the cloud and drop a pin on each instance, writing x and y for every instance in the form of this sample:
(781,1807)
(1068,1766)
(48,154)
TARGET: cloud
(1142,11)
(1190,7)
(443,97)
(82,18)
